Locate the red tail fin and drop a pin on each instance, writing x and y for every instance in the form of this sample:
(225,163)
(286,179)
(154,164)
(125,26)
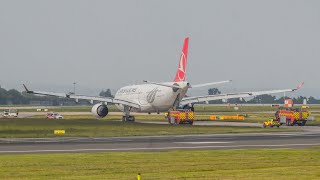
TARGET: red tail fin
(181,73)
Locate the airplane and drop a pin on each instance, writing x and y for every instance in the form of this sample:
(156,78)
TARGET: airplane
(155,97)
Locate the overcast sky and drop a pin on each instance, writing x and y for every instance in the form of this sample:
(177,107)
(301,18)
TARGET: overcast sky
(258,44)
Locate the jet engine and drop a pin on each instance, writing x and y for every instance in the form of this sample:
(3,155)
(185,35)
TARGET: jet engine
(100,110)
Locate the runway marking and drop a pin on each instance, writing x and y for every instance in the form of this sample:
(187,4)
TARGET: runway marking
(157,148)
(163,136)
(203,142)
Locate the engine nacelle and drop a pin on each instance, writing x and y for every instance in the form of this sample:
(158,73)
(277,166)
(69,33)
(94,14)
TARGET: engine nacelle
(100,110)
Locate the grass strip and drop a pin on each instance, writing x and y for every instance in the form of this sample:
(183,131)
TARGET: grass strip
(206,164)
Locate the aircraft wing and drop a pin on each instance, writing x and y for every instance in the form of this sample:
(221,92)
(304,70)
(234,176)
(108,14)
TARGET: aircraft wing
(210,84)
(93,98)
(197,99)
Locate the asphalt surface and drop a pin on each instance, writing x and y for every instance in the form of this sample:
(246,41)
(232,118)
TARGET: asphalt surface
(310,136)
(159,143)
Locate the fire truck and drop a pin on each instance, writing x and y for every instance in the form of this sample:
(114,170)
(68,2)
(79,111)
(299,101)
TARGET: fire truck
(180,116)
(292,116)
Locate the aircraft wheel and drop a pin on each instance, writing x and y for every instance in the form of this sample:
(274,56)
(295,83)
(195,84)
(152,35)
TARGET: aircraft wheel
(288,122)
(294,122)
(131,119)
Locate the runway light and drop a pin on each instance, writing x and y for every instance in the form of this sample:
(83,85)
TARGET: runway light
(59,132)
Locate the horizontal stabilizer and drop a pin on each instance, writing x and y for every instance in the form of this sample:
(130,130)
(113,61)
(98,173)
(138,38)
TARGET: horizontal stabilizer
(162,84)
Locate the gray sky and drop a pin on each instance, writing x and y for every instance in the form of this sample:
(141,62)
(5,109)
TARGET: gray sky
(108,44)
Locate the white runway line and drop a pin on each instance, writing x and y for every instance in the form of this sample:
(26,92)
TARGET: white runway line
(203,142)
(159,148)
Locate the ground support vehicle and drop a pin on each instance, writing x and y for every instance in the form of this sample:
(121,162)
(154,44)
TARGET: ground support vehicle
(235,117)
(292,116)
(271,123)
(10,113)
(180,116)
(54,115)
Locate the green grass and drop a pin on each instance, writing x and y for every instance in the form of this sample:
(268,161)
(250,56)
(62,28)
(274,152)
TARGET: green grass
(41,127)
(207,164)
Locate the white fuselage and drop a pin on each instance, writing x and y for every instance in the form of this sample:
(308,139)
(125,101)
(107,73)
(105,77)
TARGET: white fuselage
(151,97)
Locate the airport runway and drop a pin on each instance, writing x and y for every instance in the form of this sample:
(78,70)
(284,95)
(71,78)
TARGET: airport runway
(159,143)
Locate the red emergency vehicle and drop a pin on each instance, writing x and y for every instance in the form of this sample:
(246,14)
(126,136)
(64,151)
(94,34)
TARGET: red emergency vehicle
(180,116)
(292,116)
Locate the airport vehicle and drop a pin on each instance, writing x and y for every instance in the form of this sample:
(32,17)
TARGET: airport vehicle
(155,97)
(5,114)
(292,116)
(235,117)
(10,113)
(180,116)
(54,115)
(271,123)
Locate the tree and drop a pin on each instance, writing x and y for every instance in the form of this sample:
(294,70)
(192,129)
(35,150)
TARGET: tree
(263,99)
(214,91)
(3,96)
(106,93)
(15,97)
(312,100)
(299,100)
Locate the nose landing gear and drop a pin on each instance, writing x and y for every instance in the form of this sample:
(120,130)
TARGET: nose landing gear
(126,115)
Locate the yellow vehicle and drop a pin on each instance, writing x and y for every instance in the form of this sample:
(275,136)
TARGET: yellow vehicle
(180,116)
(293,116)
(271,123)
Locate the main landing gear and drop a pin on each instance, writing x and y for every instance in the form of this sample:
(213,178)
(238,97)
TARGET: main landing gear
(189,107)
(126,115)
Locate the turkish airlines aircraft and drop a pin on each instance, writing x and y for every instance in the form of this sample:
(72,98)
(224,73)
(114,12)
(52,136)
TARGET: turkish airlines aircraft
(157,97)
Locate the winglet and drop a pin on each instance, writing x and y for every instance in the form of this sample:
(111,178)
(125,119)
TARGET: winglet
(27,90)
(299,87)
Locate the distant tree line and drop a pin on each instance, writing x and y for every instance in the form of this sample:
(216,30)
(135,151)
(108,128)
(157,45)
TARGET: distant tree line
(262,99)
(12,97)
(106,93)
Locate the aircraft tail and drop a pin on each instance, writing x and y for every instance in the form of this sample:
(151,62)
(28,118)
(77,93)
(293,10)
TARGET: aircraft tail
(181,73)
